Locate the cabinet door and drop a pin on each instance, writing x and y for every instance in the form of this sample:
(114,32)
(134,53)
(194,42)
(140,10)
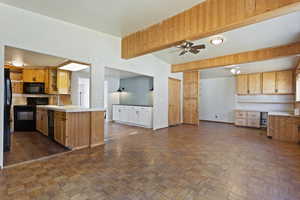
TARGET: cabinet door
(284,82)
(45,122)
(39,75)
(133,115)
(124,114)
(145,117)
(242,84)
(63,82)
(116,113)
(38,120)
(269,82)
(59,127)
(254,83)
(28,75)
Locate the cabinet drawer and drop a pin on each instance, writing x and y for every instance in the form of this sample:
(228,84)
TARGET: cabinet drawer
(240,122)
(253,115)
(253,123)
(241,114)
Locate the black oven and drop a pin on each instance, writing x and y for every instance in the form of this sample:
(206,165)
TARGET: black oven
(24,118)
(33,88)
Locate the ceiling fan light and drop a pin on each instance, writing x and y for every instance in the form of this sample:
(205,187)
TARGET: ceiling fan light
(217,41)
(233,70)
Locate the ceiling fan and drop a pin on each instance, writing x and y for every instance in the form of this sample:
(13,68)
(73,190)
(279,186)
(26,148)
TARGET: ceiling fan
(190,47)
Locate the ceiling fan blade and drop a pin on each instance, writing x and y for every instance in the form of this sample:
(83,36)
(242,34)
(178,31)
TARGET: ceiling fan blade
(194,51)
(182,53)
(189,44)
(201,46)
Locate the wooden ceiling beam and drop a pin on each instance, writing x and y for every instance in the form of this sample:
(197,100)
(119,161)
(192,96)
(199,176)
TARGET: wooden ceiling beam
(205,19)
(240,58)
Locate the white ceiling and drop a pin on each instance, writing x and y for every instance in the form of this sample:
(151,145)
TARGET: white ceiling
(118,74)
(274,32)
(116,17)
(30,58)
(264,66)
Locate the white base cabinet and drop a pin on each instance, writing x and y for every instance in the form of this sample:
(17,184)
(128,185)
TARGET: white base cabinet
(133,115)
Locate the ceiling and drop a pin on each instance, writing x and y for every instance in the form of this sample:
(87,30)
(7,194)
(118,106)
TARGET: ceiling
(118,74)
(274,32)
(117,17)
(264,66)
(30,58)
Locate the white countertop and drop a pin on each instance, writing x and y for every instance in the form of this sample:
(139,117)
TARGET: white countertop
(71,108)
(289,114)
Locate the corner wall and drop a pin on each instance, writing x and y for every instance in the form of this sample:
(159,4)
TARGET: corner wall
(1,101)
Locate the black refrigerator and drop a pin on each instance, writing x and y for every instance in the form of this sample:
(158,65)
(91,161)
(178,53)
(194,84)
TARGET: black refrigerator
(7,107)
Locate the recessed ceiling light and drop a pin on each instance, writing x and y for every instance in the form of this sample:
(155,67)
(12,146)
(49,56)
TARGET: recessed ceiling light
(74,67)
(217,41)
(17,63)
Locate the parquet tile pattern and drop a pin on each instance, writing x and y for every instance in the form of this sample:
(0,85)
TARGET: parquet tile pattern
(212,162)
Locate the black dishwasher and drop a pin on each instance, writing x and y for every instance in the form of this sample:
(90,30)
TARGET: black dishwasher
(51,124)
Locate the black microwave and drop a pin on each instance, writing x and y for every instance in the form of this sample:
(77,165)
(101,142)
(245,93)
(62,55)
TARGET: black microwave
(34,88)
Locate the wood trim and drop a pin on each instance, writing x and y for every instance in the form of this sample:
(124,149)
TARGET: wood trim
(240,58)
(203,20)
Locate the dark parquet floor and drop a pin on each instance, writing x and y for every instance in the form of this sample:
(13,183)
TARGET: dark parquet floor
(212,162)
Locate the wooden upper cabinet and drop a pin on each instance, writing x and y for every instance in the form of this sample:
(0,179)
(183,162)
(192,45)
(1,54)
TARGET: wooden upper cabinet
(254,83)
(269,82)
(284,82)
(242,84)
(34,75)
(51,81)
(63,81)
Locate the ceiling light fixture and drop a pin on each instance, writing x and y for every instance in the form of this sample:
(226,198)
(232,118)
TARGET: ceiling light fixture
(217,41)
(74,67)
(235,70)
(17,63)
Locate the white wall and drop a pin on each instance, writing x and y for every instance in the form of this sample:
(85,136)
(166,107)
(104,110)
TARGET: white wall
(113,96)
(217,99)
(34,32)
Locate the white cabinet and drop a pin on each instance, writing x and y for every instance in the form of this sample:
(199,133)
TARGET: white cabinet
(133,115)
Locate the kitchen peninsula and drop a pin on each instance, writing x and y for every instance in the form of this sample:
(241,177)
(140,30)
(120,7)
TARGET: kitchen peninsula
(72,126)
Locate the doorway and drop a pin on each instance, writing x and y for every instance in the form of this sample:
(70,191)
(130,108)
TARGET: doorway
(174,102)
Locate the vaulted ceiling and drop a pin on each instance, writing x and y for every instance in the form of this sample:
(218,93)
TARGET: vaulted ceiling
(116,17)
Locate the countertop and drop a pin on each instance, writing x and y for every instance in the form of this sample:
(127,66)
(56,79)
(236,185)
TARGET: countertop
(288,114)
(132,105)
(71,108)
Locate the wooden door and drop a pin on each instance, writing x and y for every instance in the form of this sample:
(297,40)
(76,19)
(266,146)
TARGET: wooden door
(191,97)
(284,82)
(174,101)
(269,82)
(254,83)
(242,84)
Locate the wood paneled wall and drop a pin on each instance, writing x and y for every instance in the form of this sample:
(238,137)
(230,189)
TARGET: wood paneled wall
(205,19)
(240,58)
(191,83)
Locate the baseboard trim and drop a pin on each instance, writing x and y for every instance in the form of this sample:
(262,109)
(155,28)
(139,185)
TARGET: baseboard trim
(232,123)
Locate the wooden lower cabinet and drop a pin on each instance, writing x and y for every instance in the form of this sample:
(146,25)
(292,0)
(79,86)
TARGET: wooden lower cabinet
(284,128)
(247,118)
(76,130)
(42,121)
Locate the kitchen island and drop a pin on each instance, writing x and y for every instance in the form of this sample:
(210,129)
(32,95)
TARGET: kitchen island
(72,126)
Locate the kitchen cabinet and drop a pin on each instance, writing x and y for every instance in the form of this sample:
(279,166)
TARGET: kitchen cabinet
(34,75)
(60,125)
(51,81)
(284,82)
(133,115)
(242,84)
(42,121)
(269,82)
(63,82)
(247,118)
(17,87)
(254,83)
(284,128)
(77,130)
